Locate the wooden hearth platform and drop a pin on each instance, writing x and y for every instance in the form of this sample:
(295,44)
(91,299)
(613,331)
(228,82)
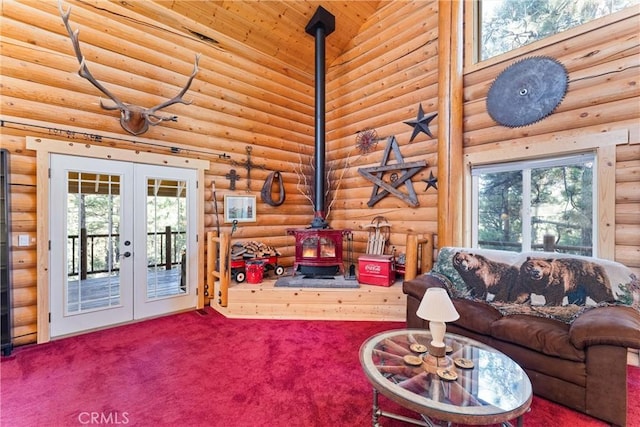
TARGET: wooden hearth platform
(265,301)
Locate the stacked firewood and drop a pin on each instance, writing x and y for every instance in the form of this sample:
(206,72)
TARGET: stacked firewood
(252,249)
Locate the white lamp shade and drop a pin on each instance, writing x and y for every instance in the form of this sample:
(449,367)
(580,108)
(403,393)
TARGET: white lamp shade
(437,306)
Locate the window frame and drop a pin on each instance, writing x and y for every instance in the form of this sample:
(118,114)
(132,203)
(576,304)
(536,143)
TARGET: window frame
(603,144)
(526,166)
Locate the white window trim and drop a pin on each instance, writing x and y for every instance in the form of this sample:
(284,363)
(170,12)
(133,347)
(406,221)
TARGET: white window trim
(526,166)
(603,144)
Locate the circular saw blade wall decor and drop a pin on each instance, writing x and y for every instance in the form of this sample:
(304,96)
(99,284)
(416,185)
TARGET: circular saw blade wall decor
(527,91)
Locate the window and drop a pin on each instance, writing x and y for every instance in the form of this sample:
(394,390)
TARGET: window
(505,25)
(543,204)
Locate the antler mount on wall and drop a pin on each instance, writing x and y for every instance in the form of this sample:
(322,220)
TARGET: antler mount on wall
(134,119)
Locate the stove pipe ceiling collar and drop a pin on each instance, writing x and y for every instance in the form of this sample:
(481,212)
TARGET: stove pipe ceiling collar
(322,24)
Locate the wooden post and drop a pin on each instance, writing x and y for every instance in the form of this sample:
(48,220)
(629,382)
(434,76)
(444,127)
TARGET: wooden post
(426,259)
(419,252)
(218,265)
(549,243)
(83,253)
(212,254)
(411,257)
(225,268)
(167,248)
(450,124)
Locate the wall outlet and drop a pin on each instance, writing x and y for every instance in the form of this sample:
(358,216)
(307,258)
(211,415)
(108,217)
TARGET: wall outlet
(23,240)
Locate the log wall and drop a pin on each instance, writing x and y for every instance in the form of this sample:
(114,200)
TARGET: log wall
(379,82)
(238,101)
(386,72)
(391,68)
(601,58)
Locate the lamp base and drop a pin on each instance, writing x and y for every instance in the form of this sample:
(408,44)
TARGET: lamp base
(437,351)
(432,363)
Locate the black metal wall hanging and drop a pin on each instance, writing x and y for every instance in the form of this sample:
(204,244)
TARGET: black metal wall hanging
(421,123)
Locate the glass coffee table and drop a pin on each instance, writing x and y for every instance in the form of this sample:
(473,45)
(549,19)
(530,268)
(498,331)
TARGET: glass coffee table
(472,384)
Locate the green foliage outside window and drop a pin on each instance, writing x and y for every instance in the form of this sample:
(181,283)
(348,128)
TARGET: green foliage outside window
(519,205)
(509,24)
(500,204)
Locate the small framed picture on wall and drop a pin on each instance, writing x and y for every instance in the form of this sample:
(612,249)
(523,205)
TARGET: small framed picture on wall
(239,208)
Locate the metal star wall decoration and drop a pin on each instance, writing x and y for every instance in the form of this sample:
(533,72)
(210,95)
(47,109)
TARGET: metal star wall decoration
(421,123)
(432,181)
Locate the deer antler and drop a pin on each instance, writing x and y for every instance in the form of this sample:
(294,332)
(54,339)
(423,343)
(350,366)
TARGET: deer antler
(83,71)
(151,112)
(134,119)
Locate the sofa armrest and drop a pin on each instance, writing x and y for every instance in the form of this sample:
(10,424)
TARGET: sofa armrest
(611,325)
(418,286)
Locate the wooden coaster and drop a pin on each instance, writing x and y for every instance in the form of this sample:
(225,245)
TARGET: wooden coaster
(447,374)
(412,360)
(463,363)
(418,348)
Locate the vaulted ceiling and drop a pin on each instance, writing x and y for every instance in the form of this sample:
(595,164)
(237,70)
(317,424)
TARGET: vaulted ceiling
(274,28)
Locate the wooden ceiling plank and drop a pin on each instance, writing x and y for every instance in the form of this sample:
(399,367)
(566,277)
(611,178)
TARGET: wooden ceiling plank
(276,28)
(224,44)
(264,33)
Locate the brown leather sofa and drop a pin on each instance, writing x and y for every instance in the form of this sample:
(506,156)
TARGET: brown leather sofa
(581,365)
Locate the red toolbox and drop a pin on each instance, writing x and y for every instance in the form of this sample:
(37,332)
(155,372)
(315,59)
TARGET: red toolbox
(376,270)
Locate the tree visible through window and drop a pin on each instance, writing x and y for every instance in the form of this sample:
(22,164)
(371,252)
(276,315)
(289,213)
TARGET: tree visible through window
(536,205)
(509,24)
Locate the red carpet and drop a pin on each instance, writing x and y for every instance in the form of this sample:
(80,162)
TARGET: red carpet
(206,370)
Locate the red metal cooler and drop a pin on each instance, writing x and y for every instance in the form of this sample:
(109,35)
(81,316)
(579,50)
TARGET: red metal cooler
(376,270)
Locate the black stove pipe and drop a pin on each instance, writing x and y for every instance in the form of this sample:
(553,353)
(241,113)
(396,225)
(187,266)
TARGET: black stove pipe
(322,24)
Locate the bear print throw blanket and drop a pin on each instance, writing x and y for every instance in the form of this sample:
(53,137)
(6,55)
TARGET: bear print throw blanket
(545,284)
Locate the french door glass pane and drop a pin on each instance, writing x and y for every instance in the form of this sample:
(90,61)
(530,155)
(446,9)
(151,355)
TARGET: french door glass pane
(93,222)
(166,237)
(499,210)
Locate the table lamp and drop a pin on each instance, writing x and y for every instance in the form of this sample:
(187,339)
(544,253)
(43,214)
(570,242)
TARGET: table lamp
(437,308)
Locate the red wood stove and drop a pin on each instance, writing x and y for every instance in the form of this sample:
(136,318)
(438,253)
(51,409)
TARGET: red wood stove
(319,251)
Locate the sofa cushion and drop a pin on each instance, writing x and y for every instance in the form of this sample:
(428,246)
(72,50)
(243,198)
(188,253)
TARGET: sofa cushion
(546,336)
(474,316)
(543,284)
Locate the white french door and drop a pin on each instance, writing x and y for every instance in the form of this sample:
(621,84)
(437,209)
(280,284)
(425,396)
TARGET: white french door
(164,223)
(122,242)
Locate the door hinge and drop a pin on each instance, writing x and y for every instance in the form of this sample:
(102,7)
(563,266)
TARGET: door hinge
(49,245)
(49,317)
(49,172)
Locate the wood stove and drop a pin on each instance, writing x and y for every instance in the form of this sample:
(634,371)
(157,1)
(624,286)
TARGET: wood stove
(319,251)
(319,248)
